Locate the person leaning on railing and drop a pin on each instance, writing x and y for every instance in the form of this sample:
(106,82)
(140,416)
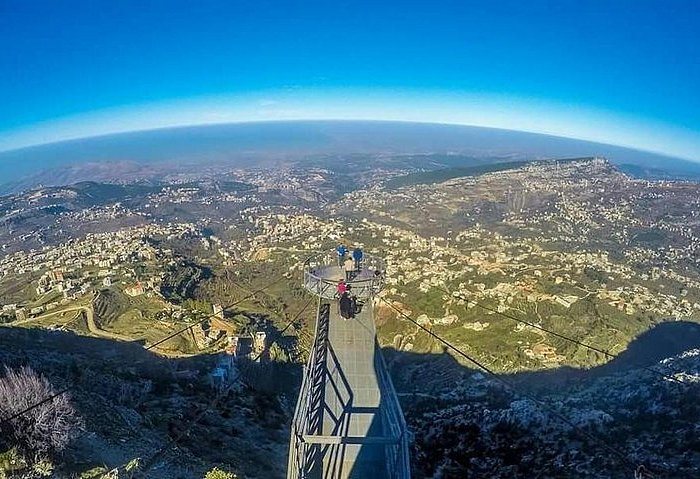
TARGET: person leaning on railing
(341,288)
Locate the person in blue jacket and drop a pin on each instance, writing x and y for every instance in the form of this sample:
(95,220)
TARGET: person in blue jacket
(357,256)
(342,251)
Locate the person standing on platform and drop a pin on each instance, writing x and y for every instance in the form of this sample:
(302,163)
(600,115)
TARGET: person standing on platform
(353,302)
(349,269)
(357,256)
(345,305)
(342,251)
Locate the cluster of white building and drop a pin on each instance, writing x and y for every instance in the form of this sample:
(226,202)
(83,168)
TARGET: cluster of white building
(76,267)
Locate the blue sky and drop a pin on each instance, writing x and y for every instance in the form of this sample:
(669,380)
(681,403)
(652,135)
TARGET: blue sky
(622,72)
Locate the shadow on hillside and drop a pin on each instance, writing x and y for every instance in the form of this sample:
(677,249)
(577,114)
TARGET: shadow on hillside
(653,421)
(663,341)
(65,357)
(151,395)
(47,350)
(132,400)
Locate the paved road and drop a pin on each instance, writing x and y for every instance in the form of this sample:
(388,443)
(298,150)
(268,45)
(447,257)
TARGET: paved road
(46,316)
(94,329)
(89,317)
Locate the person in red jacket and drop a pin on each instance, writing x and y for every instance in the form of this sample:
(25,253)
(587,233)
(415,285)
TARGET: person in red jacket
(341,288)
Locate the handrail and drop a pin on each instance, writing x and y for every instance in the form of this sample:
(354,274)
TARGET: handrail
(297,448)
(309,363)
(399,465)
(363,287)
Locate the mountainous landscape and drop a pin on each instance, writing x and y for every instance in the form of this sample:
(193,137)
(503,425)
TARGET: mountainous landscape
(180,154)
(350,240)
(573,284)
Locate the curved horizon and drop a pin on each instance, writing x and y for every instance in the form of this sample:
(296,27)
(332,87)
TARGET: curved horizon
(601,72)
(97,137)
(448,108)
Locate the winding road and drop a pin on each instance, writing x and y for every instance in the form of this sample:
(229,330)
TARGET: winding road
(89,312)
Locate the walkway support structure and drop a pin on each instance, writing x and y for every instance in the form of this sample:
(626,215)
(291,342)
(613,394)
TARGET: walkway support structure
(348,421)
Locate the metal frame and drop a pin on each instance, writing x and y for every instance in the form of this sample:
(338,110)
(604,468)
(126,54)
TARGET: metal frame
(362,288)
(303,456)
(308,446)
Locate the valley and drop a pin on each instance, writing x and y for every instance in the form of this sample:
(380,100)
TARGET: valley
(492,260)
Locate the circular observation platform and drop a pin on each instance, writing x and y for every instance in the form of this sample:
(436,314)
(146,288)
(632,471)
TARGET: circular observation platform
(322,274)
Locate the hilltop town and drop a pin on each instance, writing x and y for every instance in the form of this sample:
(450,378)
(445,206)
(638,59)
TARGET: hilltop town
(546,242)
(487,261)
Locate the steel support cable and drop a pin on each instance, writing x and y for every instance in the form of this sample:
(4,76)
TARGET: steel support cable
(170,336)
(213,403)
(553,333)
(510,385)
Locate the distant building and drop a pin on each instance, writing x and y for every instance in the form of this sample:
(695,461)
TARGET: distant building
(218,311)
(20,314)
(147,252)
(214,334)
(259,342)
(239,346)
(225,373)
(233,345)
(107,282)
(209,332)
(543,352)
(200,335)
(56,275)
(135,290)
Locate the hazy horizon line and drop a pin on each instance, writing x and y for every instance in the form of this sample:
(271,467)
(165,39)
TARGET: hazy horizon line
(534,115)
(127,132)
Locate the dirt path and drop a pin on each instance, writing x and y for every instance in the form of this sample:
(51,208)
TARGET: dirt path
(92,325)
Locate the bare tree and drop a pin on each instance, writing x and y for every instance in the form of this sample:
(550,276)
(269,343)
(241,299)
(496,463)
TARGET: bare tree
(44,430)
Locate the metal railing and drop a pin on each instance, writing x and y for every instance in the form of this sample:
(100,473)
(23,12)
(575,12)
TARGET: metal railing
(313,451)
(397,455)
(303,457)
(309,447)
(318,279)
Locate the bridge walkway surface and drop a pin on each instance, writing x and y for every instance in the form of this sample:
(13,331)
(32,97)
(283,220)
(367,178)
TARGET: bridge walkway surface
(348,422)
(354,399)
